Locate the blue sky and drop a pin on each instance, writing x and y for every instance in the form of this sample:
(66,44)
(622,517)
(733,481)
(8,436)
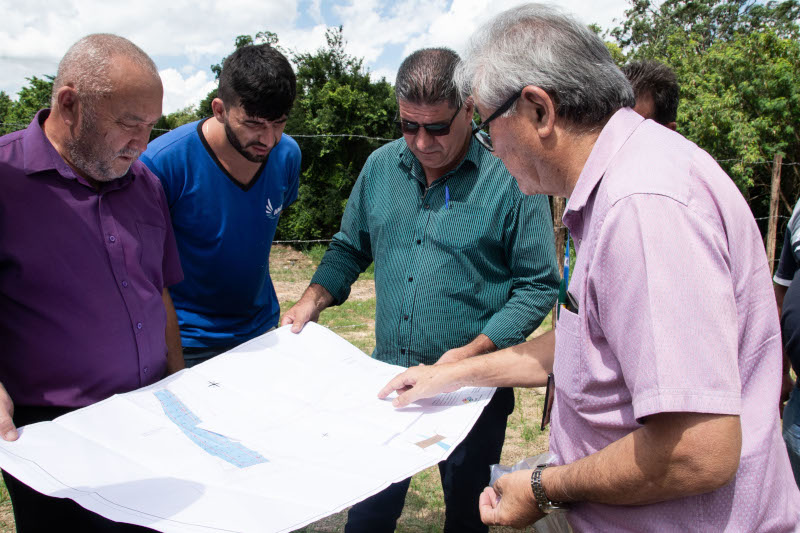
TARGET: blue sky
(185,37)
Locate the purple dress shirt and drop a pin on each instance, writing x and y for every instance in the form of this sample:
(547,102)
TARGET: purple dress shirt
(676,313)
(81,277)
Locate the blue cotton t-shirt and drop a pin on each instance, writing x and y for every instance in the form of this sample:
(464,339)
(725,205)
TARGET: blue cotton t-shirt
(224,232)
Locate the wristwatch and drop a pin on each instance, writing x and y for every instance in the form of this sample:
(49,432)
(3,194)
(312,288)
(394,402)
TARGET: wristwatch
(546,506)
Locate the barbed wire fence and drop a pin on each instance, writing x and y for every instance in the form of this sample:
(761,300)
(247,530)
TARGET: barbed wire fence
(557,227)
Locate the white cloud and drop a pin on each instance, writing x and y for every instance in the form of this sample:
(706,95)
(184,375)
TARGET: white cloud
(181,90)
(388,73)
(186,36)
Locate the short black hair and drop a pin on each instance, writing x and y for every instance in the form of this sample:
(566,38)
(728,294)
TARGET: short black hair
(660,81)
(426,78)
(260,79)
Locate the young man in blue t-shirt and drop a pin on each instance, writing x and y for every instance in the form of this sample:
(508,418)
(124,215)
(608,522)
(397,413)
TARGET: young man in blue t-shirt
(227,178)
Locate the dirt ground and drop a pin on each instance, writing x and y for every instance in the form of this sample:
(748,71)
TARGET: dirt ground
(291,291)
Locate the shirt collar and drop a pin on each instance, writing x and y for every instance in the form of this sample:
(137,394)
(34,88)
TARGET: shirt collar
(40,155)
(611,139)
(408,160)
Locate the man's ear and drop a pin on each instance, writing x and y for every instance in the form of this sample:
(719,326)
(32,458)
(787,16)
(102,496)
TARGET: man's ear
(69,105)
(538,107)
(469,104)
(218,107)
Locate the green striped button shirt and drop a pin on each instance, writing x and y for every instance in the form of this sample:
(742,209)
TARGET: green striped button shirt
(484,262)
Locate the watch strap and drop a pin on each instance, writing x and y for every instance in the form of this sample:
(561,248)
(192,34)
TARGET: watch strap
(545,505)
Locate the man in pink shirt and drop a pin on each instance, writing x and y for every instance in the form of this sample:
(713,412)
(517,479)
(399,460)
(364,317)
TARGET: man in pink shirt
(667,361)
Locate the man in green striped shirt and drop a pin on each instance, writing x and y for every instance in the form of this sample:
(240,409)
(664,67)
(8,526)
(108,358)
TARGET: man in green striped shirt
(464,265)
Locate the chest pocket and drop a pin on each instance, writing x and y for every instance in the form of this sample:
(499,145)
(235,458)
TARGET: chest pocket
(568,366)
(460,227)
(151,252)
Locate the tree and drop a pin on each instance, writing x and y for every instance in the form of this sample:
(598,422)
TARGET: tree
(738,65)
(174,120)
(647,28)
(335,96)
(32,98)
(741,101)
(5,106)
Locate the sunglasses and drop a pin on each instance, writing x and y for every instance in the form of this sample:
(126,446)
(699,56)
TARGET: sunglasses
(436,129)
(483,136)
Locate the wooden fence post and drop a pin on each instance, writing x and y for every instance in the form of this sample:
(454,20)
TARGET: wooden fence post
(774,198)
(559,205)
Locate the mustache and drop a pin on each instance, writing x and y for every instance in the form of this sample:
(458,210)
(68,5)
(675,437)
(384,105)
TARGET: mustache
(129,152)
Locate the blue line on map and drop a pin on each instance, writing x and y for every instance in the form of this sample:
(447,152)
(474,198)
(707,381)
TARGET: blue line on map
(213,443)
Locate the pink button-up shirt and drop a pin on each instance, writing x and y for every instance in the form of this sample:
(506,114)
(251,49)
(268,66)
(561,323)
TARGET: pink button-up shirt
(676,313)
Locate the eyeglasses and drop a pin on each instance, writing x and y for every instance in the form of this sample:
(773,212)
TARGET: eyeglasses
(436,129)
(483,136)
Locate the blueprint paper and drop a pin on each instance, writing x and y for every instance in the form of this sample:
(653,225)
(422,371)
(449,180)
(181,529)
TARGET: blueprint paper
(271,436)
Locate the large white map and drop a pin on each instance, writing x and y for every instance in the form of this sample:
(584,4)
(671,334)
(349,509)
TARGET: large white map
(280,432)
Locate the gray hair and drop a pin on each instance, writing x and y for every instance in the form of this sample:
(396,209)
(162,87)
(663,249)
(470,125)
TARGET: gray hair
(86,63)
(537,44)
(426,78)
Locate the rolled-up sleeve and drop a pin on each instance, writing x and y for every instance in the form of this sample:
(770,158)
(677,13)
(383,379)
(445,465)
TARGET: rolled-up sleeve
(350,252)
(531,256)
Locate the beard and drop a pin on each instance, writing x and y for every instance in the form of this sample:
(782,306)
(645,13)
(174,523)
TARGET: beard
(88,153)
(237,145)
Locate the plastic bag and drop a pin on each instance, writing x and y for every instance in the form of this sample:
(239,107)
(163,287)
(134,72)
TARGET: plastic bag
(555,522)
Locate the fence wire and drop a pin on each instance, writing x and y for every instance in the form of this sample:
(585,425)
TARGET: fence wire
(386,139)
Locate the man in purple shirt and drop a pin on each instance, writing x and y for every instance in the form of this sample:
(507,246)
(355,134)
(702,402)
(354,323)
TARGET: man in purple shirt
(86,254)
(667,357)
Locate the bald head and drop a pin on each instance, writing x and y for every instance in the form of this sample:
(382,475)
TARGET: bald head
(90,64)
(106,99)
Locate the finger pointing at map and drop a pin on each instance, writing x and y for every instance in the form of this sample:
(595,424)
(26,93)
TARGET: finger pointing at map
(422,382)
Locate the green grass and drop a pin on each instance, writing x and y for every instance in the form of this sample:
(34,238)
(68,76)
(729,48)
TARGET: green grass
(353,320)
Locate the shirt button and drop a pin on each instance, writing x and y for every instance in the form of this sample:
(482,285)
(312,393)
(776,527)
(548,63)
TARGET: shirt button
(427,206)
(145,370)
(410,279)
(402,351)
(138,325)
(112,238)
(405,317)
(419,241)
(124,283)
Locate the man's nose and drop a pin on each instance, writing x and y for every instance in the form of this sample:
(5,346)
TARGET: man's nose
(140,140)
(423,139)
(269,137)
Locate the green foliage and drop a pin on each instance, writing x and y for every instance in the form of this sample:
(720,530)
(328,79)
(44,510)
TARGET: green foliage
(738,66)
(335,96)
(175,119)
(740,101)
(32,98)
(204,107)
(649,26)
(5,106)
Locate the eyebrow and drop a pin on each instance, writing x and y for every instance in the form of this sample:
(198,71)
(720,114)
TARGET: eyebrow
(127,117)
(258,120)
